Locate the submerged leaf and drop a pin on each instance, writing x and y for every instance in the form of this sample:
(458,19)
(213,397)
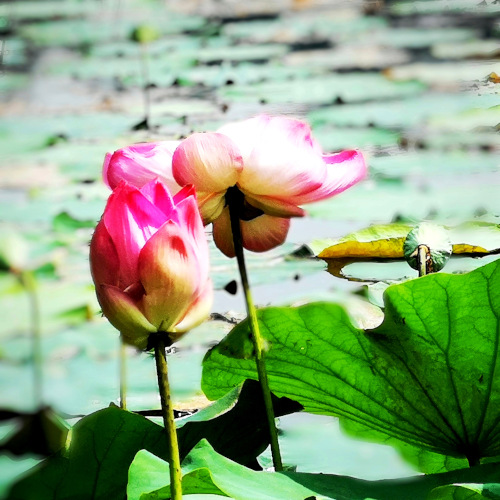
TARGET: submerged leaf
(427,376)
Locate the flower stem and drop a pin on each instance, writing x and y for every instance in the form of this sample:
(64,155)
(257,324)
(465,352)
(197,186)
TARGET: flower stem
(123,374)
(257,339)
(28,282)
(168,417)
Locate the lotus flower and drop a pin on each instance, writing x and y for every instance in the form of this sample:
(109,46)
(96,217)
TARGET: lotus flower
(140,163)
(274,163)
(149,262)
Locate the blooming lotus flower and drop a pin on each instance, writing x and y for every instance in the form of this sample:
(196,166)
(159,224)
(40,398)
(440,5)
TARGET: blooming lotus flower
(140,163)
(275,165)
(149,262)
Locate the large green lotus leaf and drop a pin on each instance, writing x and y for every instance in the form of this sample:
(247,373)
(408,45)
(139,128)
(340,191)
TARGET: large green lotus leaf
(103,444)
(206,472)
(427,376)
(95,463)
(464,491)
(323,90)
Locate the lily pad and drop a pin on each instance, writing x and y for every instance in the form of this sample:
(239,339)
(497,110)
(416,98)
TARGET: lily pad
(422,377)
(350,87)
(489,7)
(380,242)
(404,113)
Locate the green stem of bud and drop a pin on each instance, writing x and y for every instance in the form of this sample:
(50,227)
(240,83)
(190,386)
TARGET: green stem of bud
(168,416)
(123,374)
(235,202)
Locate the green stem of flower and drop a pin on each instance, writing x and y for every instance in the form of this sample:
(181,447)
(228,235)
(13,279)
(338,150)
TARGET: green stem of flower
(123,374)
(28,282)
(257,339)
(168,417)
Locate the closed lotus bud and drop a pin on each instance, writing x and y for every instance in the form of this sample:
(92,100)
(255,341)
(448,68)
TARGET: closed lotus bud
(149,262)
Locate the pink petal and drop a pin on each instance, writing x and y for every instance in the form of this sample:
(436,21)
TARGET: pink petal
(223,236)
(189,220)
(264,233)
(169,273)
(211,205)
(140,163)
(209,161)
(281,158)
(104,261)
(343,170)
(123,313)
(157,193)
(258,235)
(130,220)
(274,206)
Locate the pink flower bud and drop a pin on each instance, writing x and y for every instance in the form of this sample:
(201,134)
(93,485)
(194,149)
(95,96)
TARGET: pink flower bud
(149,262)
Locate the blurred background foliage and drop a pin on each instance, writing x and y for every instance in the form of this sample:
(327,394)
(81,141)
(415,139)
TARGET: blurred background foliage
(414,84)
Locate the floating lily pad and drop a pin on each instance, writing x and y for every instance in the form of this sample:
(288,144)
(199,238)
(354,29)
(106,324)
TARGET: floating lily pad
(420,37)
(442,74)
(470,49)
(403,113)
(32,11)
(489,7)
(323,90)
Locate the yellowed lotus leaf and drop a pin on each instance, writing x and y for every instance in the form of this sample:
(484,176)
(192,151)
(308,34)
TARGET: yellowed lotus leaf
(464,248)
(385,241)
(379,249)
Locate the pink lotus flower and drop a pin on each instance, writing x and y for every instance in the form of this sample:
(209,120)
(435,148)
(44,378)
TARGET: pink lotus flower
(149,262)
(140,163)
(274,163)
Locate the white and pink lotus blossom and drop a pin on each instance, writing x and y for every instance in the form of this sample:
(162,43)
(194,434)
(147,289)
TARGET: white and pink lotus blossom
(275,163)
